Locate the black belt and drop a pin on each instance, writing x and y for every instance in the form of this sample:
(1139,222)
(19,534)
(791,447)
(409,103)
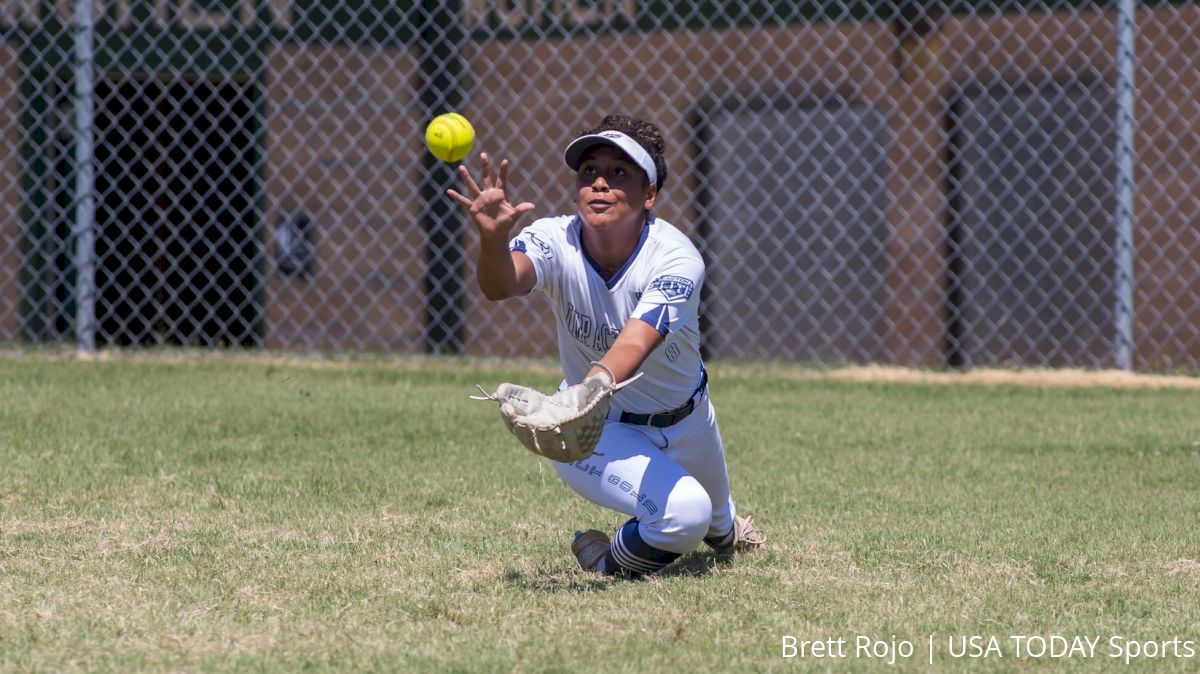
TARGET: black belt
(670,417)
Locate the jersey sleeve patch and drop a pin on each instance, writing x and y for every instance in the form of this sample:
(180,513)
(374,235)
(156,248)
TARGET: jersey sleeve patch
(529,243)
(673,287)
(658,318)
(542,246)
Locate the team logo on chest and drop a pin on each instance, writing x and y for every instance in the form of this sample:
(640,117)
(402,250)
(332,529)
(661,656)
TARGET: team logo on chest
(673,287)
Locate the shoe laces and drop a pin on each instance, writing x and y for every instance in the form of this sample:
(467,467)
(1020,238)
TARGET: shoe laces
(748,535)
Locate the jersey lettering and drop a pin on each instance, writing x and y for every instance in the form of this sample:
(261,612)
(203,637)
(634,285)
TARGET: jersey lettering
(605,334)
(672,352)
(579,324)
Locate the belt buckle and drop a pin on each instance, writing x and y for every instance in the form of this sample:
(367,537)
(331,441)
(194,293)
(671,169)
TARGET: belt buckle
(658,415)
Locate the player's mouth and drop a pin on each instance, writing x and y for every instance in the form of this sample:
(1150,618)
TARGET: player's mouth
(599,206)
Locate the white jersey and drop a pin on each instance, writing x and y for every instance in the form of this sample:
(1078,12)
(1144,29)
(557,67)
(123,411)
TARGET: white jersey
(659,284)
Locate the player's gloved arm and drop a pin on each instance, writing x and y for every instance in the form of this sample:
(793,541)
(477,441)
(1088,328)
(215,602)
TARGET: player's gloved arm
(635,343)
(500,274)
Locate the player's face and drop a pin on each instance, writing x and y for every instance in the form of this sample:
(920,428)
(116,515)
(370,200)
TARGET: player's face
(612,191)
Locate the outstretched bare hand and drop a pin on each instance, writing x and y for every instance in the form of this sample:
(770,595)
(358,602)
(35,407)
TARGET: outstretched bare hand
(488,207)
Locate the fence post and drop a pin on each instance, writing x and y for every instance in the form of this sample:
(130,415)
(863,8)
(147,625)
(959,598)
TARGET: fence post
(85,237)
(1126,61)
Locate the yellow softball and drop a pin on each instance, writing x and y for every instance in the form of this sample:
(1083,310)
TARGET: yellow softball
(449,136)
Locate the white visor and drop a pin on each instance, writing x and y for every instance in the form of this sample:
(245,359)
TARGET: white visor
(636,153)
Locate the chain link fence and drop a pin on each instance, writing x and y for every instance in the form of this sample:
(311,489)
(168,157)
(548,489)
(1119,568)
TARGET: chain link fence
(922,183)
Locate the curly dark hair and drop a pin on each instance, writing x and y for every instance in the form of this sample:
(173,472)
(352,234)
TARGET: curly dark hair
(645,133)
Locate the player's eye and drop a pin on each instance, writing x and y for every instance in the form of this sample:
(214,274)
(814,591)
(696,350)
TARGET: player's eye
(619,172)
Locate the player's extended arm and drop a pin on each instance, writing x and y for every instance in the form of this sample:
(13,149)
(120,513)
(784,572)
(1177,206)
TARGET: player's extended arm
(636,341)
(500,274)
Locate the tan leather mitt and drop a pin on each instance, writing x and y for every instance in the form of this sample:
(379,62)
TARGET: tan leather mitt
(562,427)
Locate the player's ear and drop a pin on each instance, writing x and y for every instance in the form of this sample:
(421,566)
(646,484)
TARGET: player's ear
(651,195)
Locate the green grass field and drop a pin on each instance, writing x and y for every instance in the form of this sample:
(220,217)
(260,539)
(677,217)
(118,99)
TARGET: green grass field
(235,515)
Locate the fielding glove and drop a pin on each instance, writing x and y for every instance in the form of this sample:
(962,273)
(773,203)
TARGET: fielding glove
(562,427)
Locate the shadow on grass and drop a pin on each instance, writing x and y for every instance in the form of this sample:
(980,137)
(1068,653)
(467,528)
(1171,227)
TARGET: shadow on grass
(696,564)
(556,581)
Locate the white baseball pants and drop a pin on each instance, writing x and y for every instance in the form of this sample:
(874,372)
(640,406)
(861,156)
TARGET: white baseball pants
(673,481)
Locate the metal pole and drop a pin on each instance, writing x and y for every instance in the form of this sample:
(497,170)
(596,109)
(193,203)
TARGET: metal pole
(85,238)
(1126,61)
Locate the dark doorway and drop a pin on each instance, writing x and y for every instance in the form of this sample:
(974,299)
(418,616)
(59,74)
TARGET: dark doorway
(179,255)
(179,249)
(1031,257)
(795,273)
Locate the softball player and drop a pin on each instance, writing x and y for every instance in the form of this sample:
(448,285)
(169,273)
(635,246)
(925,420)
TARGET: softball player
(625,287)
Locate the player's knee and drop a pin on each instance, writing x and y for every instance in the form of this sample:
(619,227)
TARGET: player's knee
(688,516)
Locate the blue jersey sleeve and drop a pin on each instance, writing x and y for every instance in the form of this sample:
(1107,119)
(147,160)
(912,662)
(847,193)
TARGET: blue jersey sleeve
(672,298)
